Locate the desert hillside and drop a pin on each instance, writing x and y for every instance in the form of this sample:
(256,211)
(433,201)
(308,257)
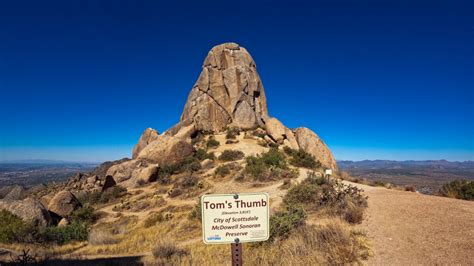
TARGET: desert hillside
(146,210)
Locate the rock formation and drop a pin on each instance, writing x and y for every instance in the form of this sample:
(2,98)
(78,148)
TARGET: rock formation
(311,143)
(29,209)
(148,136)
(227,92)
(63,204)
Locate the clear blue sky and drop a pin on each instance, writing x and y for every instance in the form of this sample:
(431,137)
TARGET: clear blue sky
(81,80)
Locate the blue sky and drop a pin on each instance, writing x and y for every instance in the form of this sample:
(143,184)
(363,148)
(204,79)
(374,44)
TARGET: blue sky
(81,80)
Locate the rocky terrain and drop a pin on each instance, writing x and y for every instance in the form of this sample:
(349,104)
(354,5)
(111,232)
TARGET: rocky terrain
(145,210)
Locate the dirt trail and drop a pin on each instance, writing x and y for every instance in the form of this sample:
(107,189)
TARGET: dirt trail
(409,228)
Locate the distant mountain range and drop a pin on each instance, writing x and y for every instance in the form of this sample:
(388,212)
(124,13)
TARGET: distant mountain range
(44,162)
(389,164)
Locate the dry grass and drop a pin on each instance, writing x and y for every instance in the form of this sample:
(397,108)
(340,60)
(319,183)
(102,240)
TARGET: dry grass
(101,237)
(331,243)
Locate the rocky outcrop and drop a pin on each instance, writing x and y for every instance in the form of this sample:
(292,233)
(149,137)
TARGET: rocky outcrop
(148,136)
(101,170)
(63,204)
(228,91)
(166,150)
(28,209)
(275,129)
(16,193)
(123,171)
(148,174)
(311,143)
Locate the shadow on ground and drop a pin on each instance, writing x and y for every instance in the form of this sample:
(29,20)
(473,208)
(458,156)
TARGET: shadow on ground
(125,261)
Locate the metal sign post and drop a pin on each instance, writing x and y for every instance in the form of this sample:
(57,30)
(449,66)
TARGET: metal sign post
(236,251)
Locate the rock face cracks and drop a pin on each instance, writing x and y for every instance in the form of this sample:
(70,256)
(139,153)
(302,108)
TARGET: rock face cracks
(228,92)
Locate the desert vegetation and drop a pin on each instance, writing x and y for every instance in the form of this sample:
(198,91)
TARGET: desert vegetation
(458,189)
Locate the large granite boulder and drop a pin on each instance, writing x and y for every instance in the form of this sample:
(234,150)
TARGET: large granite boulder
(275,129)
(166,150)
(29,209)
(148,136)
(63,204)
(228,92)
(311,143)
(123,171)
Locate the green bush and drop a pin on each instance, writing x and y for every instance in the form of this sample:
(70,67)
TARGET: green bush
(212,143)
(63,234)
(232,132)
(268,166)
(188,164)
(283,223)
(300,158)
(231,155)
(201,155)
(315,193)
(84,214)
(14,229)
(303,193)
(458,189)
(222,170)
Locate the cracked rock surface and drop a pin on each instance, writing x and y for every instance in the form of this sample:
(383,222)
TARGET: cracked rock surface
(228,92)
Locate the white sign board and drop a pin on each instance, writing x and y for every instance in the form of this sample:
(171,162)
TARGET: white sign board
(226,217)
(328,172)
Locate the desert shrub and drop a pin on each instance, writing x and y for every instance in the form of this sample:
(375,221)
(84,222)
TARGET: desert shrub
(84,214)
(153,219)
(231,155)
(222,170)
(106,196)
(286,183)
(340,244)
(188,164)
(410,188)
(284,222)
(270,165)
(378,183)
(14,229)
(306,192)
(300,158)
(458,189)
(174,192)
(274,158)
(63,234)
(166,250)
(232,132)
(317,193)
(112,193)
(101,237)
(212,143)
(353,213)
(273,145)
(201,155)
(187,181)
(196,213)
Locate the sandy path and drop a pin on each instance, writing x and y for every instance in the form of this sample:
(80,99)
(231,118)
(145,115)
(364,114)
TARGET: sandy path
(409,228)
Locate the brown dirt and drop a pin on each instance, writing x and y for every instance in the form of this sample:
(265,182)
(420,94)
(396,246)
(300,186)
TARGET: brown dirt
(409,228)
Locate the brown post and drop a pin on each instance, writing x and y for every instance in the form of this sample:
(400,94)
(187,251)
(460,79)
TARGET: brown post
(236,254)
